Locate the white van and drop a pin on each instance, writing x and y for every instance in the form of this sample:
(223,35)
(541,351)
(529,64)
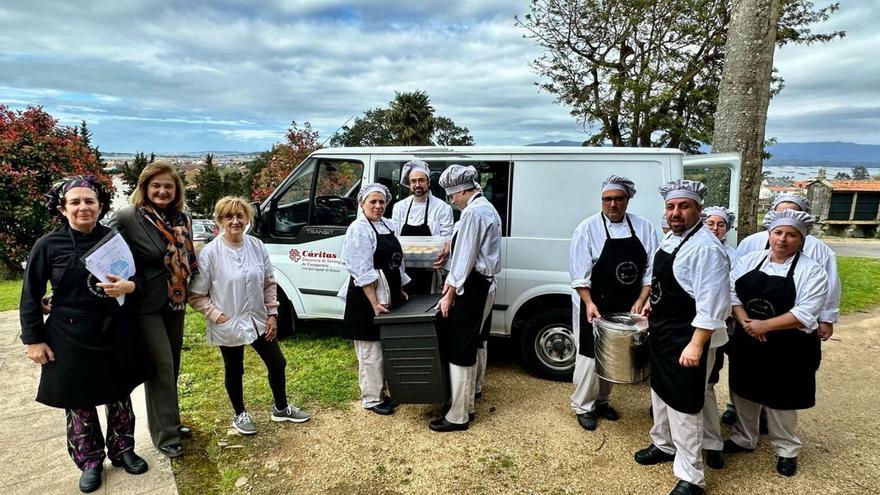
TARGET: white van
(541,193)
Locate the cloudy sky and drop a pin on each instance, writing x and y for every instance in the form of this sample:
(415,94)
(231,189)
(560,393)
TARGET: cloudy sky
(166,76)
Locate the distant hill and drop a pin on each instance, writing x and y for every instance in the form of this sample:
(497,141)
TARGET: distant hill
(828,153)
(557,143)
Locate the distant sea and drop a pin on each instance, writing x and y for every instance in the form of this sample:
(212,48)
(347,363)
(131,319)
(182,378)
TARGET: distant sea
(800,172)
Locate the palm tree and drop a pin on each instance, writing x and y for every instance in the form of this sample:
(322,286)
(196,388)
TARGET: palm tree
(411,118)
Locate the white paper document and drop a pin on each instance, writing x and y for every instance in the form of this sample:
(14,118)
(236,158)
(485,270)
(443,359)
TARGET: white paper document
(111,257)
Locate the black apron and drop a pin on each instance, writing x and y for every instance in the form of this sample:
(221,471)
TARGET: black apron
(461,333)
(672,312)
(421,277)
(779,373)
(616,281)
(358,317)
(98,356)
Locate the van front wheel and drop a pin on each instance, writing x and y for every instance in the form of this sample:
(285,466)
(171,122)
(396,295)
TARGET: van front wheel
(547,344)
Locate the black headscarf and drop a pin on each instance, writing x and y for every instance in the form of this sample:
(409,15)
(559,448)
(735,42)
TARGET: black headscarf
(55,196)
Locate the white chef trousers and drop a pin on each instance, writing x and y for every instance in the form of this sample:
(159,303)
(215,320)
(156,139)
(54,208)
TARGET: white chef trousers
(482,359)
(781,427)
(371,375)
(589,389)
(681,435)
(461,381)
(711,418)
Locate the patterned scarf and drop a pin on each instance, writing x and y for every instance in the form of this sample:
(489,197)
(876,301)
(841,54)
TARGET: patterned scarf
(180,257)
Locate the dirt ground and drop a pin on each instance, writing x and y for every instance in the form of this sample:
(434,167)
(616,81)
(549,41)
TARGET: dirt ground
(525,440)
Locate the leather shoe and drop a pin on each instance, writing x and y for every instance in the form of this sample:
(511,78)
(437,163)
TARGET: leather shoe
(173,450)
(90,479)
(652,455)
(786,466)
(478,395)
(442,426)
(383,408)
(587,420)
(714,459)
(132,463)
(728,417)
(605,410)
(685,488)
(184,431)
(731,447)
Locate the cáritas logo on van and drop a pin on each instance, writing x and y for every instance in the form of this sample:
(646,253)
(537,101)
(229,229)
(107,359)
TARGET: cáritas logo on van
(296,255)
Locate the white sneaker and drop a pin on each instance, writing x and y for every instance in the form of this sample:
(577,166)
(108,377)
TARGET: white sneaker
(244,424)
(290,413)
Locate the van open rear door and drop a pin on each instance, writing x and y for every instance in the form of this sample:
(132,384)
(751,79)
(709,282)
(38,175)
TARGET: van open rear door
(721,174)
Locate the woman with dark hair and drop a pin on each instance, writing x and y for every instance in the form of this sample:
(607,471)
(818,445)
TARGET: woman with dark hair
(159,234)
(86,348)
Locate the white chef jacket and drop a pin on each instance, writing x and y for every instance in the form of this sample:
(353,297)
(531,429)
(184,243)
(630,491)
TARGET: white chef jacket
(477,243)
(703,270)
(820,253)
(440,218)
(234,280)
(810,281)
(731,253)
(589,239)
(358,248)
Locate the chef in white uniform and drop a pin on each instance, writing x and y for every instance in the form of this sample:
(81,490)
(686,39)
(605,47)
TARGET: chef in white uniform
(813,248)
(610,267)
(719,220)
(688,305)
(469,291)
(777,295)
(420,214)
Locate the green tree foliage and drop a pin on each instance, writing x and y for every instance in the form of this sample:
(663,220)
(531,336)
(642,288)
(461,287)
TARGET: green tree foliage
(842,176)
(35,152)
(131,171)
(859,172)
(252,170)
(409,120)
(208,182)
(639,73)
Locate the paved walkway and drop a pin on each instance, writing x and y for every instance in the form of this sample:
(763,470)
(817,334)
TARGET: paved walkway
(864,248)
(33,451)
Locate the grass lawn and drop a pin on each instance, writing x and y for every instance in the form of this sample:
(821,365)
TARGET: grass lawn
(10,292)
(321,375)
(860,279)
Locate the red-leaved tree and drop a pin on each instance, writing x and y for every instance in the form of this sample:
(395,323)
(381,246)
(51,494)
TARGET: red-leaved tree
(284,158)
(35,152)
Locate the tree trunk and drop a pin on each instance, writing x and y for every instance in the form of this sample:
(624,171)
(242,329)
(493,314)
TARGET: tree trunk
(744,94)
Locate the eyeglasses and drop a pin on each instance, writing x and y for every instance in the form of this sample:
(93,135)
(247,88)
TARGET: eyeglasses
(239,216)
(613,199)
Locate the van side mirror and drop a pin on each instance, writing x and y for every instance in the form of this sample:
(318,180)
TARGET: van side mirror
(258,218)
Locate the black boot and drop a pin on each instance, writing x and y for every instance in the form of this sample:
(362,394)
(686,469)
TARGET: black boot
(132,463)
(90,479)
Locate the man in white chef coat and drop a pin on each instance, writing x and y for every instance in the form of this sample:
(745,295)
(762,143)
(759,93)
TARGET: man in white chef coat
(469,291)
(689,303)
(420,214)
(610,267)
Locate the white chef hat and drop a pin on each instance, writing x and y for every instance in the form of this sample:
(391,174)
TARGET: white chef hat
(372,187)
(414,166)
(728,215)
(683,188)
(800,220)
(457,178)
(619,183)
(802,202)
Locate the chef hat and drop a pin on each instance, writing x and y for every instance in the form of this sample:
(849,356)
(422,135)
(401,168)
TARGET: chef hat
(414,166)
(683,188)
(620,183)
(457,178)
(802,202)
(728,215)
(800,220)
(372,187)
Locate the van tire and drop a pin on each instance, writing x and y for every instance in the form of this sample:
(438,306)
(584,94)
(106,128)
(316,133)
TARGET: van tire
(547,344)
(287,320)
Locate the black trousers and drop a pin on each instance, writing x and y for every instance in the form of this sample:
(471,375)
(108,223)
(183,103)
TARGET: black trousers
(273,358)
(162,335)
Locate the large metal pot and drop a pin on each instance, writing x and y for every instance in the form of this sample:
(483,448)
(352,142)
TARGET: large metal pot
(621,341)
